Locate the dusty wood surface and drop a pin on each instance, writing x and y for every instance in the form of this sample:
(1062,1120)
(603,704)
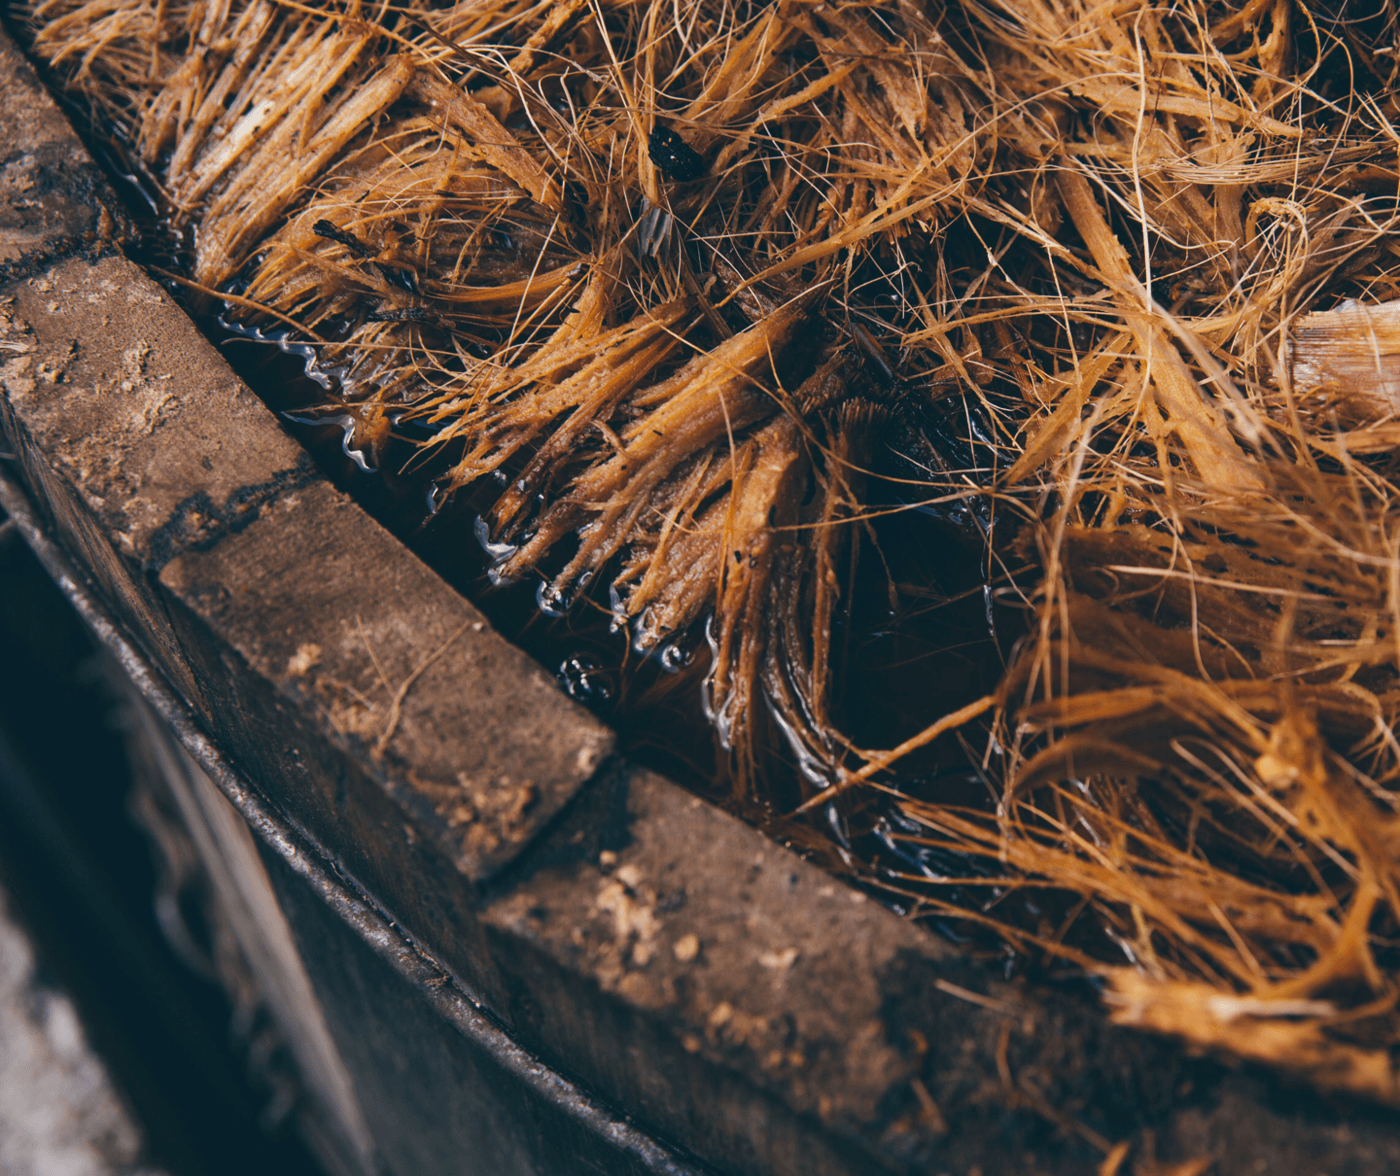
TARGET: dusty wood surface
(163,465)
(53,198)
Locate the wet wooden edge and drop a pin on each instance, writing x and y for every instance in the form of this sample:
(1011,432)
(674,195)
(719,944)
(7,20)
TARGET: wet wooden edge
(598,918)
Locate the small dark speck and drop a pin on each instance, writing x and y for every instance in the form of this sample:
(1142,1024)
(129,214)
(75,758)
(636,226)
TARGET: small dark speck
(206,463)
(792,881)
(671,902)
(674,156)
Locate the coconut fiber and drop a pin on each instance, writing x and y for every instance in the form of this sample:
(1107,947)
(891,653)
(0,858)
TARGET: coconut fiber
(672,281)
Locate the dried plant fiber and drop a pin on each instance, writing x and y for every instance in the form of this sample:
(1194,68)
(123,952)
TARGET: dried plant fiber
(682,274)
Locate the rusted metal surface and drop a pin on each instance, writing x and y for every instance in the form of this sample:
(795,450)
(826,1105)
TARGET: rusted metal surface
(459,852)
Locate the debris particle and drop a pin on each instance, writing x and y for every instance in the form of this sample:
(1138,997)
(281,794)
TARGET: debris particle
(301,662)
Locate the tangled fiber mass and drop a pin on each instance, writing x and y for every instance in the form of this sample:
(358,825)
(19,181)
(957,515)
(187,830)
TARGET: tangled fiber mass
(678,280)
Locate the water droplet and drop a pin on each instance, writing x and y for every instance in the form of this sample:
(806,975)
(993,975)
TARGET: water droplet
(645,633)
(346,423)
(618,608)
(840,830)
(1013,958)
(817,770)
(553,601)
(675,657)
(498,552)
(311,362)
(584,679)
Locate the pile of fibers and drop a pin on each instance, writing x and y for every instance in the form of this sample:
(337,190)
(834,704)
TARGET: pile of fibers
(679,278)
(633,263)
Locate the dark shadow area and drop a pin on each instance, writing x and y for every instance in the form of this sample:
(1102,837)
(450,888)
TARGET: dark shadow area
(81,880)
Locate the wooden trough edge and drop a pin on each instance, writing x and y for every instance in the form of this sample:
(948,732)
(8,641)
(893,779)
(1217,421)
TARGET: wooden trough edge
(602,933)
(409,959)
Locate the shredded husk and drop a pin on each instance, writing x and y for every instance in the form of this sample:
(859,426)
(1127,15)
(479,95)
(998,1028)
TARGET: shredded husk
(1152,248)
